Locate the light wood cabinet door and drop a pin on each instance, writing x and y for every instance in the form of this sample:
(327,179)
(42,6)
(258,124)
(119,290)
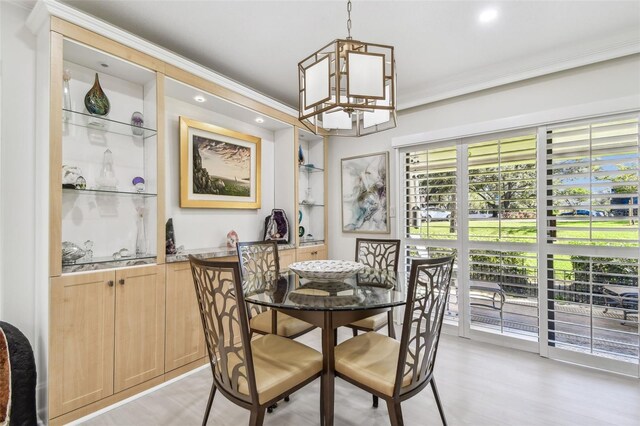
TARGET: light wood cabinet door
(184,336)
(311,253)
(139,325)
(81,340)
(287,257)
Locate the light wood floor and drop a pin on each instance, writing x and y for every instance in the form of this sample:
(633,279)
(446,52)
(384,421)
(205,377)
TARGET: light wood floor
(480,384)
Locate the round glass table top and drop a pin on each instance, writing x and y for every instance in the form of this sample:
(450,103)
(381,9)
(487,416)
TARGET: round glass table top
(368,289)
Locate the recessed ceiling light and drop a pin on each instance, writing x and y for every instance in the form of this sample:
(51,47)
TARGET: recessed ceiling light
(488,15)
(259,120)
(199,98)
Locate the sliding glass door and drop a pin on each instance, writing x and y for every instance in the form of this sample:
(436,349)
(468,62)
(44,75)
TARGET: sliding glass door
(546,228)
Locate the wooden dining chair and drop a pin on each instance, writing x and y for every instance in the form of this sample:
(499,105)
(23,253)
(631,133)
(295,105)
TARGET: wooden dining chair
(252,373)
(260,258)
(397,370)
(379,254)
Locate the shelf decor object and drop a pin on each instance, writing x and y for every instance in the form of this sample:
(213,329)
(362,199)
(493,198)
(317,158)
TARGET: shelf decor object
(96,101)
(219,168)
(365,200)
(326,269)
(348,88)
(137,124)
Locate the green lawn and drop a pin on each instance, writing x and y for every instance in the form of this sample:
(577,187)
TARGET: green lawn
(524,231)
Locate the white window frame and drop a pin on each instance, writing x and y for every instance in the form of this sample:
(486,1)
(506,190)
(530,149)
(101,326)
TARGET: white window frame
(469,134)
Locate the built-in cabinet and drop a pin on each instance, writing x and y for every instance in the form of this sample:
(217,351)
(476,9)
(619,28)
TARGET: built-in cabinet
(106,334)
(184,336)
(120,319)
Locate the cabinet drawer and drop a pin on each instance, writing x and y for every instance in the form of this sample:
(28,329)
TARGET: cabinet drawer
(311,253)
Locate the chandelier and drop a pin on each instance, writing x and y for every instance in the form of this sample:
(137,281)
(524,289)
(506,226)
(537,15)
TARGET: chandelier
(348,88)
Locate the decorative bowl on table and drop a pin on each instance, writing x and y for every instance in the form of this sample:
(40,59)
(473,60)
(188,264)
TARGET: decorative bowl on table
(326,269)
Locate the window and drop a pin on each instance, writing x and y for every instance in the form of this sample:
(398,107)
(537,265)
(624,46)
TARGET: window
(430,191)
(502,190)
(592,235)
(592,183)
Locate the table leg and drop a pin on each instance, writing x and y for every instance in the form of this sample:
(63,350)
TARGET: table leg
(328,369)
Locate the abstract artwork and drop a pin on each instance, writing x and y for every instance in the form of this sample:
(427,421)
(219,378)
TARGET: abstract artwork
(219,168)
(365,203)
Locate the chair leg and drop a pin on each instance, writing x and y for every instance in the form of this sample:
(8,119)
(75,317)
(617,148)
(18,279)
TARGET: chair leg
(257,417)
(209,403)
(335,335)
(286,398)
(437,396)
(395,413)
(355,332)
(375,401)
(392,329)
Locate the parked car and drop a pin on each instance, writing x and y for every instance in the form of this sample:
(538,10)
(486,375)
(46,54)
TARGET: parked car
(585,212)
(435,213)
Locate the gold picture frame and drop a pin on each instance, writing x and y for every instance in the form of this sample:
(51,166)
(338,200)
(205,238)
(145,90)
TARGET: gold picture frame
(234,156)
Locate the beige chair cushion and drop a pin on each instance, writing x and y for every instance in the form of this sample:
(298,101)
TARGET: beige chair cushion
(287,326)
(280,364)
(372,323)
(370,359)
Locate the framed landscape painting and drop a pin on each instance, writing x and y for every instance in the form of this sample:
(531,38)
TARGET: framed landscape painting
(219,168)
(365,202)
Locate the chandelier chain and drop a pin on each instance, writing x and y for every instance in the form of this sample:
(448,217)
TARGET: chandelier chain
(349,19)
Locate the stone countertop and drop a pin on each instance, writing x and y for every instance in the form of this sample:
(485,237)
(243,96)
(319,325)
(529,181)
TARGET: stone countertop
(212,252)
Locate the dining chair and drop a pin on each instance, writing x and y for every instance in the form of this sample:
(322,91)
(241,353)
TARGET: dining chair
(379,254)
(252,373)
(260,258)
(397,370)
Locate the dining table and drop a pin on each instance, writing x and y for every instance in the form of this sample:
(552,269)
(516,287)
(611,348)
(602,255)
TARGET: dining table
(328,304)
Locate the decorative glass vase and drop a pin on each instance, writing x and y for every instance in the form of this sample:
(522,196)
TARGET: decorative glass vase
(66,95)
(107,179)
(141,237)
(96,101)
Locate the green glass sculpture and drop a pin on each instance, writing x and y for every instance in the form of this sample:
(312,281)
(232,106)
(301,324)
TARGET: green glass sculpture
(96,101)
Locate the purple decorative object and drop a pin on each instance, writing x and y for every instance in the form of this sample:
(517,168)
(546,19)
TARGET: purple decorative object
(138,182)
(276,227)
(137,121)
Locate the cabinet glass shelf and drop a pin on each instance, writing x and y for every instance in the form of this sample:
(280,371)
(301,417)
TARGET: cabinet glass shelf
(94,122)
(109,259)
(309,168)
(107,192)
(310,205)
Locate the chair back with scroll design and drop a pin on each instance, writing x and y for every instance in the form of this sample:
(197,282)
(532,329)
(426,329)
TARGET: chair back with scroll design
(258,258)
(427,293)
(224,320)
(378,253)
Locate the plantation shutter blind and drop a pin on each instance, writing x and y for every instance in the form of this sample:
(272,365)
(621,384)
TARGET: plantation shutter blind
(592,183)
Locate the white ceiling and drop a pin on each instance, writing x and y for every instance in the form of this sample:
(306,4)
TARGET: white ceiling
(442,50)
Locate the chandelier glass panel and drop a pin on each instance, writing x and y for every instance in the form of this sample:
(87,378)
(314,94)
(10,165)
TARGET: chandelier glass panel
(348,88)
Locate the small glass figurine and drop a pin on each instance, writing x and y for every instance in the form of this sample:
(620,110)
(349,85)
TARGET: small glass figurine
(107,179)
(137,121)
(138,183)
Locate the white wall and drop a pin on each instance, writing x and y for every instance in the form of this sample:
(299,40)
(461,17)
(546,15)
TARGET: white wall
(203,228)
(17,168)
(607,81)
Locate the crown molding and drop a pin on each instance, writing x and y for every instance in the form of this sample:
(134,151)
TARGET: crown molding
(629,45)
(46,8)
